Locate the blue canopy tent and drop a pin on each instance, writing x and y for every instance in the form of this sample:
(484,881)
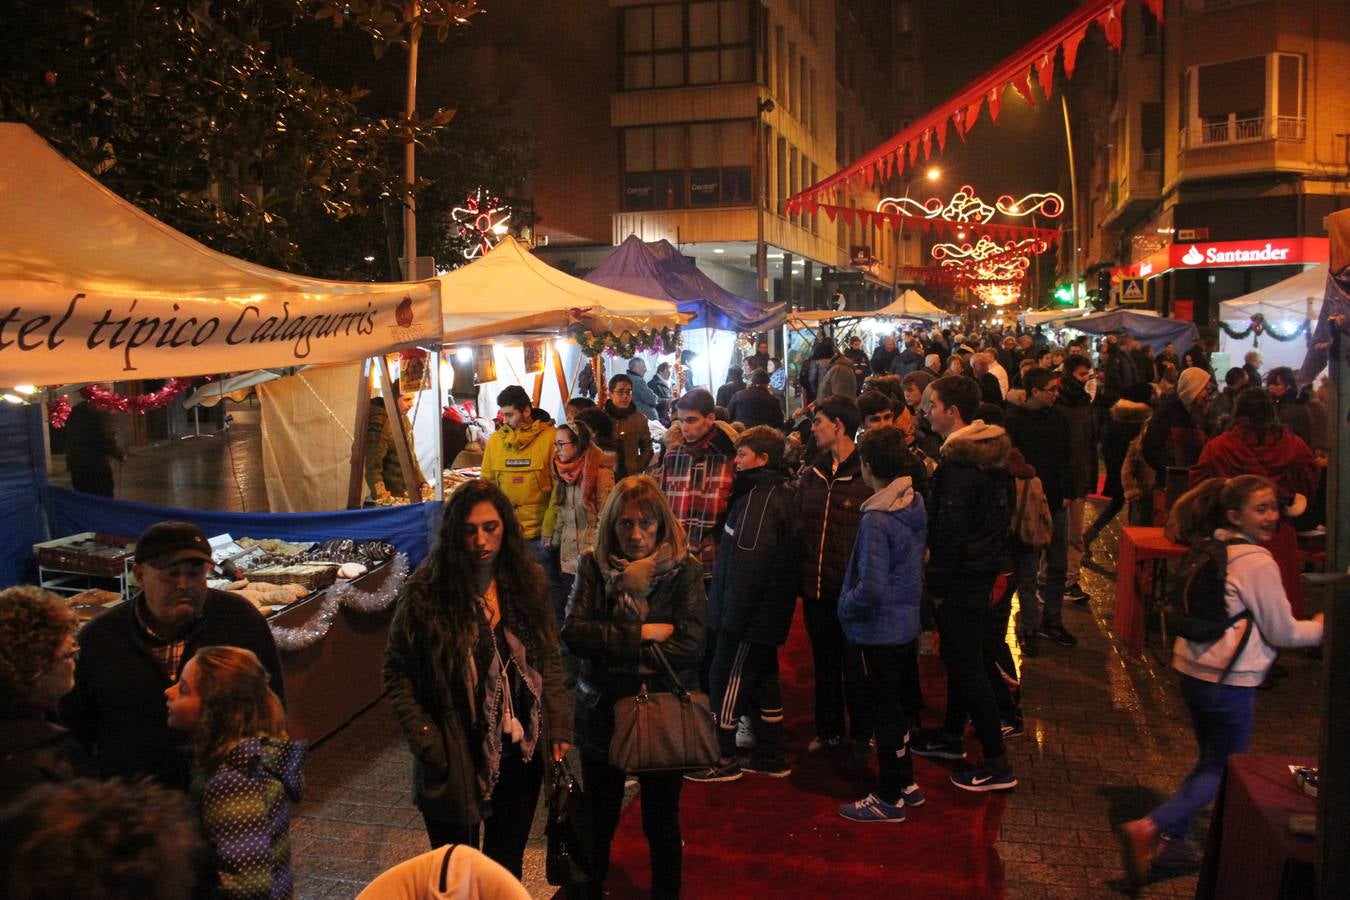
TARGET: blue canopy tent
(1143,327)
(659,270)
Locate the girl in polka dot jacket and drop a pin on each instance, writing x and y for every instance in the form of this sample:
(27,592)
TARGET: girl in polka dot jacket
(246,773)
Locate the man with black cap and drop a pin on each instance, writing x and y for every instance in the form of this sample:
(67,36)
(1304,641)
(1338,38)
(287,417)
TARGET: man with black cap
(132,653)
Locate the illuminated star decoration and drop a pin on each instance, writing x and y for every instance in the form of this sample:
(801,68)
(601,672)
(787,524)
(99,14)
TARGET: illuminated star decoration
(482,221)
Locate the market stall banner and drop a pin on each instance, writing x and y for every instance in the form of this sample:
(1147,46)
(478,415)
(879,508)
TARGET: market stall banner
(51,334)
(408,527)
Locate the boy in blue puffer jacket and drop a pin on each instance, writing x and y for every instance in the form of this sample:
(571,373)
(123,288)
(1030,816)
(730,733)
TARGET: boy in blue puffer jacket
(879,614)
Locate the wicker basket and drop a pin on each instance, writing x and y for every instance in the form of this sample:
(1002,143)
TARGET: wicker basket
(313,576)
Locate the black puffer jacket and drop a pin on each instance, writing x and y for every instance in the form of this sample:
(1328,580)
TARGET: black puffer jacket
(831,511)
(614,659)
(1077,408)
(754,586)
(968,521)
(1127,420)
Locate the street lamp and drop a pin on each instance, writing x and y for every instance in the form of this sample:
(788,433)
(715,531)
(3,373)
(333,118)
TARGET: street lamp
(766,105)
(933,174)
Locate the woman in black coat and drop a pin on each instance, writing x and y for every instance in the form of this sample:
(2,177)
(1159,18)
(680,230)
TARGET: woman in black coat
(639,590)
(1129,415)
(475,675)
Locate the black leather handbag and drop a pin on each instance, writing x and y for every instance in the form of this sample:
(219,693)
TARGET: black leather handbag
(664,731)
(568,861)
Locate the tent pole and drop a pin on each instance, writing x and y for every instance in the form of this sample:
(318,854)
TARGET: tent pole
(405,460)
(359,437)
(707,356)
(438,483)
(558,373)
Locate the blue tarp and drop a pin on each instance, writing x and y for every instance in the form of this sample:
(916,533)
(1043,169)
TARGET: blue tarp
(1154,330)
(659,271)
(23,478)
(406,527)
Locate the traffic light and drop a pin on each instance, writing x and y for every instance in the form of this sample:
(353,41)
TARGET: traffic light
(1103,293)
(1063,295)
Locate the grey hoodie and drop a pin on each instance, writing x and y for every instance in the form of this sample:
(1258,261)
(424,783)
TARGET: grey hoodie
(1253,583)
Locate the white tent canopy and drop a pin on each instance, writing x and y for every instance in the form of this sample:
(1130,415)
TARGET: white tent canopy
(910,304)
(102,291)
(1294,299)
(509,292)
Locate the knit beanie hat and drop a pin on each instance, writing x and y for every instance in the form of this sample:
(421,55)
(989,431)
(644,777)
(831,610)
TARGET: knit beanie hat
(1192,384)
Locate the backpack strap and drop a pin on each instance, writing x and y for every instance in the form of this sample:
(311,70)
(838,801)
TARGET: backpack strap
(1242,643)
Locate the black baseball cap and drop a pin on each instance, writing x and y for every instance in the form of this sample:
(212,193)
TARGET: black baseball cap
(166,543)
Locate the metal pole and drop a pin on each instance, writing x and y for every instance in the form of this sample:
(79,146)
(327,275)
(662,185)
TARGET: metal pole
(1073,198)
(899,245)
(410,151)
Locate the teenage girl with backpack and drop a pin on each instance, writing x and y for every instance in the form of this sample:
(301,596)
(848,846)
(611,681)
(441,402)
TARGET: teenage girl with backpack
(1219,679)
(246,773)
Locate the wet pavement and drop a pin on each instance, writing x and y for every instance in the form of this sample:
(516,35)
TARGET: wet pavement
(1106,736)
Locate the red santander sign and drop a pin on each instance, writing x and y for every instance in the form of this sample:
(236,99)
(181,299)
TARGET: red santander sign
(1224,254)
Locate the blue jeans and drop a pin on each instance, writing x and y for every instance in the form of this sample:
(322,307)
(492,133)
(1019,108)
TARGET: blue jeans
(1030,614)
(547,557)
(1222,716)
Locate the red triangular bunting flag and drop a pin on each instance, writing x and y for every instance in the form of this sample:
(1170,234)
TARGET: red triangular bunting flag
(927,143)
(972,114)
(913,152)
(942,134)
(1070,46)
(995,102)
(830,212)
(1022,85)
(1110,23)
(1155,7)
(848,215)
(867,175)
(1045,68)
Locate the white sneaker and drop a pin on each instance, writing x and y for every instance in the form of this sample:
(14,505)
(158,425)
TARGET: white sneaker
(745,734)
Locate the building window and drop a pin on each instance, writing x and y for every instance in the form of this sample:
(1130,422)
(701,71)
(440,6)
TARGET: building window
(689,165)
(1251,99)
(677,44)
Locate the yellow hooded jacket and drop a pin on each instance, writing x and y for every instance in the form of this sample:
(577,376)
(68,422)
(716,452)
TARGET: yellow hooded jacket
(519,461)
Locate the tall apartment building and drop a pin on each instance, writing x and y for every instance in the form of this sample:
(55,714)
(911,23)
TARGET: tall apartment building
(1226,146)
(694,121)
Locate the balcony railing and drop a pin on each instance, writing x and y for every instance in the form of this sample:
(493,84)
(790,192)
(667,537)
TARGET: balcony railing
(1150,161)
(1240,131)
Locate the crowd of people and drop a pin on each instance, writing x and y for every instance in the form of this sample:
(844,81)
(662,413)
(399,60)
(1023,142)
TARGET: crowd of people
(920,488)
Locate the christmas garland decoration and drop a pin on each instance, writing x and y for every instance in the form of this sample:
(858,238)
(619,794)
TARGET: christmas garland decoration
(104,400)
(378,600)
(1258,327)
(58,411)
(625,345)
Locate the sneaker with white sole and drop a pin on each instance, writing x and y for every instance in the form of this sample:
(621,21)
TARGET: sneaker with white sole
(934,744)
(727,770)
(873,809)
(984,778)
(819,743)
(913,796)
(773,768)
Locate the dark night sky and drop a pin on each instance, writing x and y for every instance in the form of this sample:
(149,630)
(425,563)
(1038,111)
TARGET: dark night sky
(1024,150)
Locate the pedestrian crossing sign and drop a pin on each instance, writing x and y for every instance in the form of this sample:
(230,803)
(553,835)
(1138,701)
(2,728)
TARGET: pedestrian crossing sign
(1132,291)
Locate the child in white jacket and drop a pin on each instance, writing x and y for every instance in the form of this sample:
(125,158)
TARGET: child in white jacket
(1219,679)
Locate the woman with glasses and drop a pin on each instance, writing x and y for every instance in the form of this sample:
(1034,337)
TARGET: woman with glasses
(583,477)
(637,591)
(37,668)
(630,428)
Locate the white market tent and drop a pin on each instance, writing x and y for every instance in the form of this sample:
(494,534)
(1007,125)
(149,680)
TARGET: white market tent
(1285,305)
(909,305)
(1051,317)
(103,291)
(509,292)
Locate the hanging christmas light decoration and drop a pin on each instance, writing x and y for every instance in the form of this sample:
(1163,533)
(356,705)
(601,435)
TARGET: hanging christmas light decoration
(483,220)
(1049,206)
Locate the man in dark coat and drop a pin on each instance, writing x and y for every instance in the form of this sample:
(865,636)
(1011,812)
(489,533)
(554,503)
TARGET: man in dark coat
(1077,407)
(967,537)
(131,654)
(830,495)
(91,445)
(755,405)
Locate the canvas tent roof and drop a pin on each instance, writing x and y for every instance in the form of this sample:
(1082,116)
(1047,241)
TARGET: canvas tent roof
(106,291)
(1143,326)
(909,305)
(1288,298)
(658,270)
(509,291)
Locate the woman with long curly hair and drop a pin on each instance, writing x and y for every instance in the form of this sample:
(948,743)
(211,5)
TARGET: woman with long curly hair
(246,772)
(639,589)
(475,675)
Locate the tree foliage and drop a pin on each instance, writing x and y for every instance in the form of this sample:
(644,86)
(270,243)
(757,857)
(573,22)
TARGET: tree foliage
(221,119)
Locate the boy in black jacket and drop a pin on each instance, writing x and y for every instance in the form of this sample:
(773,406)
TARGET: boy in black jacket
(754,591)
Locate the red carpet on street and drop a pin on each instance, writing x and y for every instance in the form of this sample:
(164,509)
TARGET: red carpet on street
(767,837)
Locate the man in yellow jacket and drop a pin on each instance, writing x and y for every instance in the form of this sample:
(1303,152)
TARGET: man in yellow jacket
(519,460)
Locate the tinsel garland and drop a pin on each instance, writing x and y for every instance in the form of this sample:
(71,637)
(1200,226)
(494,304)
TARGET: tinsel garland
(626,344)
(1260,328)
(109,401)
(348,595)
(58,411)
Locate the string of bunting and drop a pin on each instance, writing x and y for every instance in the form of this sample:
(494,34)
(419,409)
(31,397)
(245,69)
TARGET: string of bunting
(962,110)
(104,400)
(950,227)
(1259,327)
(348,595)
(625,345)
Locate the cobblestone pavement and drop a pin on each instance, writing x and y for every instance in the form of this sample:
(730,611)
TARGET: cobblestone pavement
(1106,736)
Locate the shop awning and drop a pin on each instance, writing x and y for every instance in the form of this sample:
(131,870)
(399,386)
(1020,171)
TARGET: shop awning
(99,290)
(509,292)
(660,271)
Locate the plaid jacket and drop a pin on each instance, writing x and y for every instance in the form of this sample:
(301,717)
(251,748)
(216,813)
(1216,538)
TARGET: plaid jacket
(697,481)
